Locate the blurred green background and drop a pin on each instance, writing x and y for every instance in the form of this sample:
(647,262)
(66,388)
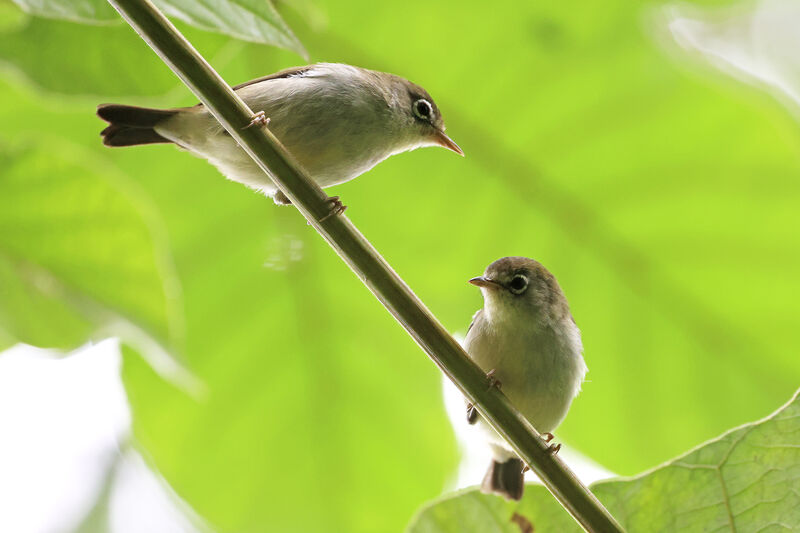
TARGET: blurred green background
(662,194)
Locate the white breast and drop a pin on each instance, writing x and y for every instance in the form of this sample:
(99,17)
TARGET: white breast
(540,367)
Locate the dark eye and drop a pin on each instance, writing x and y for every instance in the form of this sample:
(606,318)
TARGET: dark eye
(423,109)
(518,284)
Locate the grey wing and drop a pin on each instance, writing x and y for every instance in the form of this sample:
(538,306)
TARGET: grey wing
(288,73)
(472,412)
(475,317)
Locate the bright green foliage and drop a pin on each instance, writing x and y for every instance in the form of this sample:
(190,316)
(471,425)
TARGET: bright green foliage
(107,54)
(77,250)
(662,195)
(746,480)
(89,11)
(251,20)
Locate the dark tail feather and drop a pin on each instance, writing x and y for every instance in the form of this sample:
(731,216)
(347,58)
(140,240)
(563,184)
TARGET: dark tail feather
(505,479)
(130,125)
(137,117)
(116,135)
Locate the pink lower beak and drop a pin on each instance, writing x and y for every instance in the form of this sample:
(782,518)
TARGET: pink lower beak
(446,142)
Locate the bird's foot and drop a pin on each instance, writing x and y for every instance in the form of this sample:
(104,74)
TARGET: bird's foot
(553,449)
(472,414)
(281,199)
(337,208)
(525,468)
(259,119)
(493,381)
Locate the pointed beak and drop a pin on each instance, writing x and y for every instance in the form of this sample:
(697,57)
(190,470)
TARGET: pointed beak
(482,282)
(440,138)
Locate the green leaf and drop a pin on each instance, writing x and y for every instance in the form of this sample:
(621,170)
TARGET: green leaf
(78,253)
(663,196)
(251,20)
(113,60)
(746,480)
(10,16)
(107,54)
(86,11)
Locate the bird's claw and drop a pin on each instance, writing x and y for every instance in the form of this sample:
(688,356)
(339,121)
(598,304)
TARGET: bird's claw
(281,199)
(337,208)
(493,381)
(259,119)
(472,414)
(525,468)
(552,448)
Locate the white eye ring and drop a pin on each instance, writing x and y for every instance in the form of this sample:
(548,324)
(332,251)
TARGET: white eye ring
(423,109)
(515,286)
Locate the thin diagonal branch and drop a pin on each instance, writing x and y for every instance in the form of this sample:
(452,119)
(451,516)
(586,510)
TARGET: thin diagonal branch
(364,260)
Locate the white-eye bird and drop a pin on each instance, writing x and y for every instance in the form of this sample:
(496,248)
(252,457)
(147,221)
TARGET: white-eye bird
(338,121)
(526,340)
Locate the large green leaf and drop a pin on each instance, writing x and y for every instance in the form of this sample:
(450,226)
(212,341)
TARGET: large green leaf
(92,11)
(251,20)
(78,253)
(663,199)
(112,59)
(10,16)
(746,480)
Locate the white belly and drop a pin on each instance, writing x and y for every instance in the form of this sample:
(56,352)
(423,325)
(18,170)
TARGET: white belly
(540,372)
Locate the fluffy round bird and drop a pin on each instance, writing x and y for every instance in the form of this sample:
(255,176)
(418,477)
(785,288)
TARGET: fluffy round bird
(526,340)
(338,121)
